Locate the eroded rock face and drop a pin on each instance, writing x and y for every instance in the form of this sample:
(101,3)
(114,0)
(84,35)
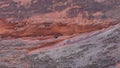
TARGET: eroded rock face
(19,10)
(59,34)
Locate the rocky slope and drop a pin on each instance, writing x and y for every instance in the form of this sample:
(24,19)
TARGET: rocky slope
(59,33)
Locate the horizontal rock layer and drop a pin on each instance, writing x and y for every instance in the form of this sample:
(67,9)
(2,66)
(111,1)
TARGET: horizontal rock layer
(59,34)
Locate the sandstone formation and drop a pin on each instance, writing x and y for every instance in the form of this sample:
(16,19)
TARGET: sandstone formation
(59,34)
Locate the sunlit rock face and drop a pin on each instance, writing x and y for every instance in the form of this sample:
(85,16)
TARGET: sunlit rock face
(59,33)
